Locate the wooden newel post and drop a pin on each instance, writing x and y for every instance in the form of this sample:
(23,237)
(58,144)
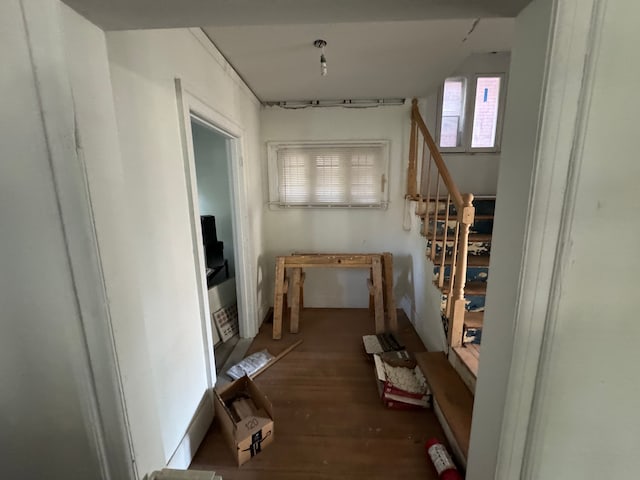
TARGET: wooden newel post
(465,219)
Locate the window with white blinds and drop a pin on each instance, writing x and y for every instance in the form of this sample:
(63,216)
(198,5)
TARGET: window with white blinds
(321,175)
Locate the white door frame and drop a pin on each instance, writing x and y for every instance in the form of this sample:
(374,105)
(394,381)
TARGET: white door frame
(90,337)
(566,91)
(190,106)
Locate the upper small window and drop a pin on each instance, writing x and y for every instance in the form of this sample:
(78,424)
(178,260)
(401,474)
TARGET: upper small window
(452,119)
(471,126)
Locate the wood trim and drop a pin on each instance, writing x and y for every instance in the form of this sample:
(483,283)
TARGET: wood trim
(412,173)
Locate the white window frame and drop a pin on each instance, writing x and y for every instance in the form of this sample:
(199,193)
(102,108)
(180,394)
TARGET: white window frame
(467,129)
(274,186)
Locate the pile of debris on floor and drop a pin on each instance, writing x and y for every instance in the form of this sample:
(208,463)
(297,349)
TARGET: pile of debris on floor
(401,384)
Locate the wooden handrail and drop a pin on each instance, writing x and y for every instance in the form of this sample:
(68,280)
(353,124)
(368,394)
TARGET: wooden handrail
(456,196)
(429,206)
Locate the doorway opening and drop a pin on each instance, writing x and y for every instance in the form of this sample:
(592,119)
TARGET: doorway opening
(215,204)
(222,253)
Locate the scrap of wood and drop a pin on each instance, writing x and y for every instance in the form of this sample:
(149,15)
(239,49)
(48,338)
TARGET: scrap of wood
(341,260)
(378,300)
(389,299)
(276,359)
(295,300)
(278,298)
(243,408)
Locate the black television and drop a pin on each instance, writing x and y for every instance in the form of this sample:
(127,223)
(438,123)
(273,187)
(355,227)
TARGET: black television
(213,249)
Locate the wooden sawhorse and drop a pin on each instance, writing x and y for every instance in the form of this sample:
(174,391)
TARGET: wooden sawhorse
(380,285)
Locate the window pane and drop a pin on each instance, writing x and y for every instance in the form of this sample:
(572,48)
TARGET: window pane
(294,185)
(330,175)
(485,114)
(452,112)
(329,178)
(365,177)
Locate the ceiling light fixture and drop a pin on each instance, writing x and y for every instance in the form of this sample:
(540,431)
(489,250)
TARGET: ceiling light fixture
(323,60)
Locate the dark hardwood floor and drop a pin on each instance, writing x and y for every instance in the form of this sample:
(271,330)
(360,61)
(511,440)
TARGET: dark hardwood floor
(329,420)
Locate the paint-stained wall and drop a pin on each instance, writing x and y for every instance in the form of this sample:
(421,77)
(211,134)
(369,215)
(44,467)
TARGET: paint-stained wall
(162,349)
(46,429)
(354,230)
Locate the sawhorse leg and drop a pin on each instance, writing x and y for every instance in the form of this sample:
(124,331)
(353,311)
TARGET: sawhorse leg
(389,299)
(278,300)
(296,286)
(378,303)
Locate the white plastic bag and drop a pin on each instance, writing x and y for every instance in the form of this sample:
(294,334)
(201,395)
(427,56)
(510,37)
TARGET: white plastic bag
(250,365)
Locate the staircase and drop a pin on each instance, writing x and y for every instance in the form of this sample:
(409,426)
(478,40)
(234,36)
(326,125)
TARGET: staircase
(478,251)
(458,229)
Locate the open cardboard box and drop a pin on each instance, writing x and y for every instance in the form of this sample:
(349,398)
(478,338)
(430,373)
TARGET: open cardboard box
(250,435)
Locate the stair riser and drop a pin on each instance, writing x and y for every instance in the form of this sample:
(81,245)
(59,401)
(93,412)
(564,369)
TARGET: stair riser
(483,207)
(474,274)
(472,303)
(472,335)
(469,335)
(479,226)
(474,248)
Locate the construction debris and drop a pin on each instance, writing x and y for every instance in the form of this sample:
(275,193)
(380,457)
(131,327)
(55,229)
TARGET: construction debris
(258,362)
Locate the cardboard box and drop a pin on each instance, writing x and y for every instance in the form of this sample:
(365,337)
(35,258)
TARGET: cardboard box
(250,435)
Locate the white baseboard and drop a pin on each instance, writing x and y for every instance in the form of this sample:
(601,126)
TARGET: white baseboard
(197,429)
(262,313)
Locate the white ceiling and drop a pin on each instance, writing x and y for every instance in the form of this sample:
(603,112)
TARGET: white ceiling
(365,60)
(133,14)
(376,48)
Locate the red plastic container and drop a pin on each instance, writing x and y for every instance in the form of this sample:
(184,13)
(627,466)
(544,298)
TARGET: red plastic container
(441,460)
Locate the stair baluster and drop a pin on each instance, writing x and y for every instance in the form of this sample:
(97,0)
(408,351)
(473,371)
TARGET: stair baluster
(444,242)
(455,306)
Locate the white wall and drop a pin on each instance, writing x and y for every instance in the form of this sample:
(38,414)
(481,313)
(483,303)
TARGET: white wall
(528,61)
(214,195)
(47,428)
(475,173)
(583,421)
(586,423)
(161,348)
(352,231)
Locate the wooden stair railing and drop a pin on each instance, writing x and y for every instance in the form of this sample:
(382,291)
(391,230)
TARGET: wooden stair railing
(436,206)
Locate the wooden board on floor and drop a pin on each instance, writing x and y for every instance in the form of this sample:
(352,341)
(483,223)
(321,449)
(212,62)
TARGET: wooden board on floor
(451,393)
(329,420)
